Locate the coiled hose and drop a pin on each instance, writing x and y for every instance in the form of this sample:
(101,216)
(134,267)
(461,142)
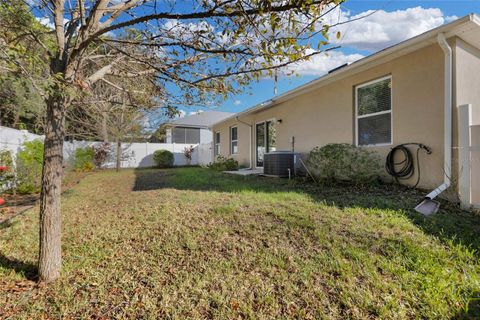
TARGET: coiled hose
(405,168)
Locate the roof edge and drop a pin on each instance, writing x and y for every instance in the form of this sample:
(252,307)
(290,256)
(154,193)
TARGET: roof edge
(174,125)
(445,28)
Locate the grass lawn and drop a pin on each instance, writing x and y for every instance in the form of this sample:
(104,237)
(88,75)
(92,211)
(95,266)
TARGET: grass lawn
(193,243)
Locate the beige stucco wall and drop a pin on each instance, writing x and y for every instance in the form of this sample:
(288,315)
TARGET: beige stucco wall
(326,114)
(467,91)
(468,77)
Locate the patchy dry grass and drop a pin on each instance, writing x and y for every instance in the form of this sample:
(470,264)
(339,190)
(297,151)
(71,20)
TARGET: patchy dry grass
(18,203)
(192,243)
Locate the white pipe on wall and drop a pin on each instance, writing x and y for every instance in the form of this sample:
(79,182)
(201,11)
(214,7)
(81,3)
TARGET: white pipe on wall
(447,161)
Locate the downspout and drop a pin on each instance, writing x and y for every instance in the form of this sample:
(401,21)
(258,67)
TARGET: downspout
(250,139)
(447,161)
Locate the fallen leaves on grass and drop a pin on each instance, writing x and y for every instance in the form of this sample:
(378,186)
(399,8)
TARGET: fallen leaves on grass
(192,243)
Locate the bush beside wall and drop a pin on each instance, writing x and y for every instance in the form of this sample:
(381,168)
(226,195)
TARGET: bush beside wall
(224,164)
(344,163)
(163,158)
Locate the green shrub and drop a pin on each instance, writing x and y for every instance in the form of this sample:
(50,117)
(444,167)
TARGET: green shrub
(7,177)
(163,158)
(84,159)
(224,164)
(29,167)
(344,163)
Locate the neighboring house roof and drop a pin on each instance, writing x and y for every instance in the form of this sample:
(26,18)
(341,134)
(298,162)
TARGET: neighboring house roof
(200,120)
(466,28)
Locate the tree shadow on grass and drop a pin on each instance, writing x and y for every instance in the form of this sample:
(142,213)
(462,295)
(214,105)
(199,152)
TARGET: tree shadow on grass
(6,224)
(151,179)
(28,270)
(449,224)
(473,309)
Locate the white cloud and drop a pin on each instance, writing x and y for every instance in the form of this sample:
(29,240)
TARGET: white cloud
(322,63)
(451,18)
(195,112)
(181,113)
(380,29)
(186,31)
(45,22)
(237,102)
(145,123)
(376,31)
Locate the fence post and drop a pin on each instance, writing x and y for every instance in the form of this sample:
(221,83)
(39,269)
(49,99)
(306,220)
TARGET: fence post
(146,154)
(464,158)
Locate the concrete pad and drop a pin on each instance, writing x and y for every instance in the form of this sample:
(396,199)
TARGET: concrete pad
(245,172)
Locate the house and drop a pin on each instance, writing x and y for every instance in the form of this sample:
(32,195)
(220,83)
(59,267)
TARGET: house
(427,90)
(194,128)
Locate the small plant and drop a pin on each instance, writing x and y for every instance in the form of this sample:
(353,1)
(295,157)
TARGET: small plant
(29,167)
(7,175)
(188,153)
(84,159)
(224,164)
(163,158)
(101,153)
(344,163)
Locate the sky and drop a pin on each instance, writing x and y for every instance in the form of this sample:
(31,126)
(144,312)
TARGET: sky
(383,23)
(393,21)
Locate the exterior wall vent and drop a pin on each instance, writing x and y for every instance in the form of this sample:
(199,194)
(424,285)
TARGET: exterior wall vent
(338,68)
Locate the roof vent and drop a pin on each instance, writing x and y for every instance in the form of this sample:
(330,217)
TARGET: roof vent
(338,68)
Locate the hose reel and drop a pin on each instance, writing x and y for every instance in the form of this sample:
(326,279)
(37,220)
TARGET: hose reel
(405,168)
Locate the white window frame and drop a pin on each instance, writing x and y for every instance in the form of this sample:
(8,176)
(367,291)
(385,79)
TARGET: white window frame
(232,141)
(185,134)
(216,144)
(274,120)
(375,113)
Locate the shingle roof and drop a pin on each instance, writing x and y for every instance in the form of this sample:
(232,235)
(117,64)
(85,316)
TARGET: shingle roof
(202,120)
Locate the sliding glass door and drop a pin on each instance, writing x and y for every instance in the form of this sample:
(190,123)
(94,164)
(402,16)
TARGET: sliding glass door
(265,140)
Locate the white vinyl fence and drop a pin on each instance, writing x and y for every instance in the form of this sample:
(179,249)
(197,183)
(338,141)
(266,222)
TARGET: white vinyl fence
(469,156)
(134,155)
(12,139)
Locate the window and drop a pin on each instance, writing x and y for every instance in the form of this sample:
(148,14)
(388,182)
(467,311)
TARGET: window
(186,135)
(233,140)
(266,139)
(216,149)
(374,112)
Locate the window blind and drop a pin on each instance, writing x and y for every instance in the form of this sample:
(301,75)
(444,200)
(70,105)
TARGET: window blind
(374,112)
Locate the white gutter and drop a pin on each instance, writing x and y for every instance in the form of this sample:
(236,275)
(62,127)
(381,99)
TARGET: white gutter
(447,152)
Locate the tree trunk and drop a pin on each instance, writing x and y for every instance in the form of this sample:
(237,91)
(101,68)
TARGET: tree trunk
(119,154)
(16,120)
(50,256)
(104,127)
